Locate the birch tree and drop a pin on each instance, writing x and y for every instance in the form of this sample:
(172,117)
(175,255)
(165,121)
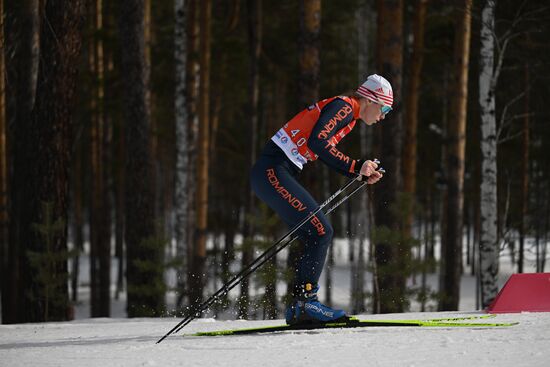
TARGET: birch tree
(488,243)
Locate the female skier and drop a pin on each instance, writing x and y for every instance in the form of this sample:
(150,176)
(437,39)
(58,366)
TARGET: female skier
(310,135)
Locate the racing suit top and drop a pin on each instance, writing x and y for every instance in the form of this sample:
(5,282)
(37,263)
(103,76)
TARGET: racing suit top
(314,133)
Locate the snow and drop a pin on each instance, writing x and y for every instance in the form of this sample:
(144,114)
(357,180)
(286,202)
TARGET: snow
(132,342)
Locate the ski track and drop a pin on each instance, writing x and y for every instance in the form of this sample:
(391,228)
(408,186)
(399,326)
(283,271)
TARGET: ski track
(131,342)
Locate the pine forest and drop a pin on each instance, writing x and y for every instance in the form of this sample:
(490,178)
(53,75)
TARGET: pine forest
(128,130)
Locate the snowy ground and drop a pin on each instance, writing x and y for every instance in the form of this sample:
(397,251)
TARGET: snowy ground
(131,342)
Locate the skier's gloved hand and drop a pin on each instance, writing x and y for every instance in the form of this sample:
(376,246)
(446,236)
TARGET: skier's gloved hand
(375,177)
(369,170)
(369,167)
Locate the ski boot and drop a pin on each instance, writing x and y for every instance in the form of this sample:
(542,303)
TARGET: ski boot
(306,308)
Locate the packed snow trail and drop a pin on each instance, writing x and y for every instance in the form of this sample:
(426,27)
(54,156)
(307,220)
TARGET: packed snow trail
(131,342)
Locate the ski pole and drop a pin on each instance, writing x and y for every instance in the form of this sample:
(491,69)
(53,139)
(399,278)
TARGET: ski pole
(262,259)
(265,257)
(239,277)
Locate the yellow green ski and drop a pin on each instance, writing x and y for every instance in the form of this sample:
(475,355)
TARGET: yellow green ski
(451,322)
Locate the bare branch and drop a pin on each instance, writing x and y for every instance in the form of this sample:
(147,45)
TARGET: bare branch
(509,137)
(530,15)
(503,42)
(502,123)
(510,120)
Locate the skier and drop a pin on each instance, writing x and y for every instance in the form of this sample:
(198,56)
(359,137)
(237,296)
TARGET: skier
(310,135)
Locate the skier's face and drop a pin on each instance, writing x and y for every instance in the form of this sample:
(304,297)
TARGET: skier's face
(370,112)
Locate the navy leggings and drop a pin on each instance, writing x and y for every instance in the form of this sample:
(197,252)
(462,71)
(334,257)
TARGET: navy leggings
(273,179)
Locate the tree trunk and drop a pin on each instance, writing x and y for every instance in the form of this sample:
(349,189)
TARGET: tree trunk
(270,308)
(41,219)
(524,197)
(94,165)
(476,206)
(454,199)
(309,61)
(199,252)
(488,241)
(3,172)
(538,215)
(426,245)
(77,224)
(376,299)
(348,231)
(358,276)
(365,21)
(545,231)
(389,253)
(154,125)
(255,45)
(112,154)
(22,47)
(145,285)
(308,92)
(182,142)
(119,209)
(100,229)
(411,117)
(192,85)
(106,158)
(309,50)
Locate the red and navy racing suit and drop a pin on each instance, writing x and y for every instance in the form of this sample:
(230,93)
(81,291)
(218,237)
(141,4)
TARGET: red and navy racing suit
(310,135)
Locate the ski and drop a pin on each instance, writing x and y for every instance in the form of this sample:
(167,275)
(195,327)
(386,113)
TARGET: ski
(463,318)
(451,322)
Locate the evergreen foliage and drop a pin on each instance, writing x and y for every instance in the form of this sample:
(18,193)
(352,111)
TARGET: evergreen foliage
(49,283)
(406,266)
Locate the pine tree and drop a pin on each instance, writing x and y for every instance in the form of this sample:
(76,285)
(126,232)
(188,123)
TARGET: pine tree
(454,197)
(3,171)
(254,8)
(182,139)
(390,255)
(144,250)
(197,280)
(21,25)
(100,228)
(411,117)
(44,166)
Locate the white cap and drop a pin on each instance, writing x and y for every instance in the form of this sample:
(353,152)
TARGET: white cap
(377,89)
